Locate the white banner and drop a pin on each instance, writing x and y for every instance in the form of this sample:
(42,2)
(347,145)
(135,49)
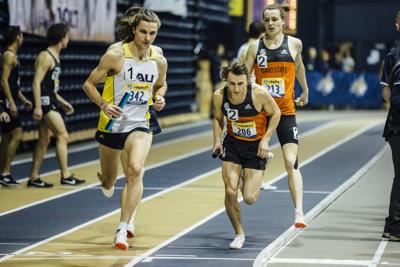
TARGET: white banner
(176,7)
(91,20)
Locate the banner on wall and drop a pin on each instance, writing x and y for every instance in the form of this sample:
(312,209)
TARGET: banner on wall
(176,7)
(89,20)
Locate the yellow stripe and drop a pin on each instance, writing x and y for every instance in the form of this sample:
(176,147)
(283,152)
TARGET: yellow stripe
(108,97)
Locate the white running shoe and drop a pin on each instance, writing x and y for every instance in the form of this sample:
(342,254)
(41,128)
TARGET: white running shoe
(108,192)
(120,240)
(237,242)
(130,230)
(299,220)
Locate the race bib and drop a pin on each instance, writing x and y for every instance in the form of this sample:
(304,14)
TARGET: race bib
(140,93)
(275,86)
(232,114)
(262,61)
(45,100)
(244,129)
(55,76)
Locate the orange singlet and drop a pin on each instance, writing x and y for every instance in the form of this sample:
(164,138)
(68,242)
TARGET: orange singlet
(275,70)
(244,122)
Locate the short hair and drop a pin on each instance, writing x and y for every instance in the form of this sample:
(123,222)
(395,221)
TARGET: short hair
(56,33)
(11,35)
(256,28)
(281,8)
(235,67)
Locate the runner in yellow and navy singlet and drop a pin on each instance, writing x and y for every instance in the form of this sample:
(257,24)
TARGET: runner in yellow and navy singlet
(245,107)
(135,74)
(276,61)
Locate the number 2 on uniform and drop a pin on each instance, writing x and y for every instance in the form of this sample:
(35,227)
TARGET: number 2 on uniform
(262,61)
(233,114)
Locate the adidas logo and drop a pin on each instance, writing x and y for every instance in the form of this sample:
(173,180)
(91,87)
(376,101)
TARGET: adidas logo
(248,106)
(284,52)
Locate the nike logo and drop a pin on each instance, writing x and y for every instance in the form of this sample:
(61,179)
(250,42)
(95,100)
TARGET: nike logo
(71,182)
(39,184)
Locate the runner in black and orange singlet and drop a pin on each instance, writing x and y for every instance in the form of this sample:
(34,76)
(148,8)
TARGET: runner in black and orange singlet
(276,61)
(245,106)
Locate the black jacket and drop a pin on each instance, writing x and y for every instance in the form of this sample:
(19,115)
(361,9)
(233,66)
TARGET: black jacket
(392,125)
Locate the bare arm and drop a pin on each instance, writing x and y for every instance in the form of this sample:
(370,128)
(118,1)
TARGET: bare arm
(218,121)
(160,87)
(300,72)
(251,56)
(269,105)
(9,61)
(111,61)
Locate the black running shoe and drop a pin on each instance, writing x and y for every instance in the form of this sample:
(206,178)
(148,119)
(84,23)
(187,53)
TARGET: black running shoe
(8,180)
(71,181)
(39,183)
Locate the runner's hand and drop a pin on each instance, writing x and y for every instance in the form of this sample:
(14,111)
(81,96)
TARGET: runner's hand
(263,149)
(112,111)
(159,103)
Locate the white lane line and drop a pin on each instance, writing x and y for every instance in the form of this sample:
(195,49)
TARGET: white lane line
(182,257)
(107,215)
(378,253)
(283,240)
(304,192)
(210,247)
(147,254)
(94,144)
(89,186)
(13,244)
(322,127)
(164,143)
(320,261)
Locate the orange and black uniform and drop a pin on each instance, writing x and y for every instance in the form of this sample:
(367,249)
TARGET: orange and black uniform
(245,128)
(275,70)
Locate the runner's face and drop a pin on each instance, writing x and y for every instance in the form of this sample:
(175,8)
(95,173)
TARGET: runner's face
(145,34)
(236,84)
(273,22)
(65,41)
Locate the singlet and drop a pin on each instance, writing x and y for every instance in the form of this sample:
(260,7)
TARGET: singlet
(244,122)
(135,77)
(275,70)
(13,81)
(50,83)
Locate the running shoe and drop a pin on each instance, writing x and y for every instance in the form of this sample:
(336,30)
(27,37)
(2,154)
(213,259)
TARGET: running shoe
(71,181)
(237,242)
(394,238)
(39,183)
(8,180)
(130,230)
(106,192)
(299,220)
(120,240)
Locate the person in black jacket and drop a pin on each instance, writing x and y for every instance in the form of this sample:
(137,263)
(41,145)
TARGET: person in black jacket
(391,93)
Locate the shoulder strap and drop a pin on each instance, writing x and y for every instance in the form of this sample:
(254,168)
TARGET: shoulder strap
(54,58)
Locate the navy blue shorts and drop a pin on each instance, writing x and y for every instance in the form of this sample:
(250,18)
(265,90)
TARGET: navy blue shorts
(115,140)
(154,125)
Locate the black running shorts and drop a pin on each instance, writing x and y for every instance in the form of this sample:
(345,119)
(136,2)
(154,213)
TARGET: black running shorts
(243,153)
(287,130)
(115,140)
